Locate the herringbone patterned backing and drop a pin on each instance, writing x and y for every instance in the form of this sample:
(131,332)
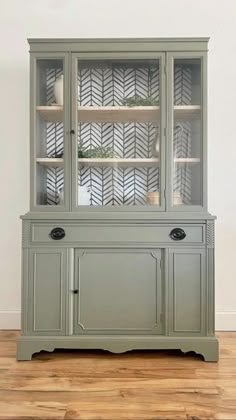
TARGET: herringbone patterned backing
(182,149)
(103,84)
(182,132)
(54,143)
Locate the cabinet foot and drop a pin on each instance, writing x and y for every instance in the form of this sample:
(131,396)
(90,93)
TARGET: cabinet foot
(211,354)
(23,351)
(209,349)
(27,347)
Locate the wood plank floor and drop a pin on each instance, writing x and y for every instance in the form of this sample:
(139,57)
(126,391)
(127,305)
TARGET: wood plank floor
(89,385)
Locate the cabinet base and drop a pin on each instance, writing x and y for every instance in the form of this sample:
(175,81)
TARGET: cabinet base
(206,346)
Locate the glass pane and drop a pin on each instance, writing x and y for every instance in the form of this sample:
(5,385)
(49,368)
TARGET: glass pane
(49,132)
(187,140)
(118,132)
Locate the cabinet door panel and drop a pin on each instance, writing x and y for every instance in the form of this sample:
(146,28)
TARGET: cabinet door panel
(118,105)
(47,275)
(119,291)
(186,131)
(187,281)
(50,117)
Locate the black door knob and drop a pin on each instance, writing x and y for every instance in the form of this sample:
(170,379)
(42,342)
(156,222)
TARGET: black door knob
(57,233)
(76,291)
(72,131)
(177,234)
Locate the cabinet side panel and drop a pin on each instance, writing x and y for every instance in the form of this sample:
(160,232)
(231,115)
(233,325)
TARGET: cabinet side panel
(24,290)
(186,291)
(47,283)
(211,291)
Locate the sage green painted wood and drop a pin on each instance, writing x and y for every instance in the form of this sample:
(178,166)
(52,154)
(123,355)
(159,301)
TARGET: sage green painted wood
(195,234)
(25,299)
(120,291)
(140,217)
(108,250)
(69,316)
(137,48)
(47,286)
(187,291)
(118,44)
(206,346)
(210,309)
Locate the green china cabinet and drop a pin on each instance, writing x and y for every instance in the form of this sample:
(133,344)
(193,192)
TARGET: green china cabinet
(118,245)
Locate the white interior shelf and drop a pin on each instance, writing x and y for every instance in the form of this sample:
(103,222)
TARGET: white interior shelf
(186,161)
(113,162)
(187,112)
(119,114)
(122,163)
(54,162)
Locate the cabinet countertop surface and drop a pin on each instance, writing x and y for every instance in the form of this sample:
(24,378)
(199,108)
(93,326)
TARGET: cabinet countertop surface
(112,215)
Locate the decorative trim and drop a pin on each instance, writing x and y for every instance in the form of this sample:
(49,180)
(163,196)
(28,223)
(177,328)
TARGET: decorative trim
(25,290)
(206,346)
(210,290)
(210,234)
(70,256)
(156,254)
(153,254)
(118,45)
(112,214)
(116,40)
(26,233)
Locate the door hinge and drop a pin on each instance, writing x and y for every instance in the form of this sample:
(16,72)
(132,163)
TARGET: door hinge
(164,131)
(161,318)
(165,69)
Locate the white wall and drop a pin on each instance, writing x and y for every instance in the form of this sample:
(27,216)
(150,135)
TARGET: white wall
(20,19)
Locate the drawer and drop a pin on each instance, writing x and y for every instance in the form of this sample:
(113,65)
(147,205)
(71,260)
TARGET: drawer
(118,234)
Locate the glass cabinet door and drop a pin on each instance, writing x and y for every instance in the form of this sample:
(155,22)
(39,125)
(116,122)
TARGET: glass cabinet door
(48,124)
(186,134)
(117,120)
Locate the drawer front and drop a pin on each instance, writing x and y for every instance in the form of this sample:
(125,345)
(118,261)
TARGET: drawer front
(170,234)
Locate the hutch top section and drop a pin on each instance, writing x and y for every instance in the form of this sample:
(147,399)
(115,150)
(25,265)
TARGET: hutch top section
(118,123)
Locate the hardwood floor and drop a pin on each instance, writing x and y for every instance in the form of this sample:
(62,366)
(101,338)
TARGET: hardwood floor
(89,385)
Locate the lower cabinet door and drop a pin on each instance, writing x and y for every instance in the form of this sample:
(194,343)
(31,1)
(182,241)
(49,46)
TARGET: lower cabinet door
(46,283)
(119,291)
(187,291)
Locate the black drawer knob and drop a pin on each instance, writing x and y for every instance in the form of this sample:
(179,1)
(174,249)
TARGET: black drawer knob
(177,234)
(57,233)
(76,291)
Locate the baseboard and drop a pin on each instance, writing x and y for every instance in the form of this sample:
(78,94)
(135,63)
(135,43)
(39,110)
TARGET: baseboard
(225,320)
(10,320)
